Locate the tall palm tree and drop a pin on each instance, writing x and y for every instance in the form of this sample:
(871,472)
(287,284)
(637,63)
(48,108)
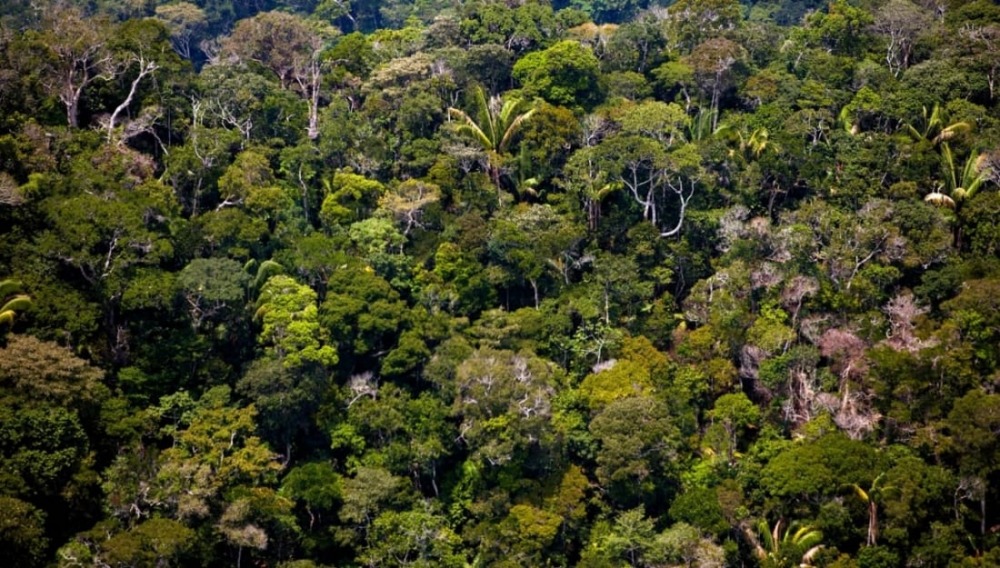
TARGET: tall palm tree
(12,302)
(494,127)
(870,499)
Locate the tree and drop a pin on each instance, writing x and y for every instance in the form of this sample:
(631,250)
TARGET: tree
(639,442)
(316,485)
(153,542)
(418,538)
(530,239)
(808,471)
(653,175)
(37,370)
(974,428)
(870,499)
(349,197)
(566,74)
(959,185)
(290,48)
(22,532)
(935,128)
(504,402)
(408,201)
(735,413)
(214,450)
(291,332)
(80,56)
(713,64)
(694,21)
(187,23)
(494,128)
(211,287)
(901,21)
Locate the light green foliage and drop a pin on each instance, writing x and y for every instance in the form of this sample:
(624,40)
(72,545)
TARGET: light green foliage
(350,197)
(187,24)
(214,448)
(842,28)
(290,329)
(504,401)
(795,545)
(565,74)
(770,331)
(735,414)
(457,283)
(376,236)
(822,467)
(408,201)
(417,538)
(367,494)
(624,379)
(250,172)
(493,127)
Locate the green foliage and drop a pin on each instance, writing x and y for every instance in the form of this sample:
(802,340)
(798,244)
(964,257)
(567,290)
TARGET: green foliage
(435,283)
(566,74)
(291,332)
(350,197)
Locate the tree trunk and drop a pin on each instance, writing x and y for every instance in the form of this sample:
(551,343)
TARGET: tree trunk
(72,111)
(872,522)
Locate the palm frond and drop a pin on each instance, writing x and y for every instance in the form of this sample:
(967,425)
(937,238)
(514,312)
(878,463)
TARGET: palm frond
(951,131)
(470,127)
(810,554)
(973,175)
(950,164)
(806,536)
(512,130)
(266,270)
(8,287)
(860,492)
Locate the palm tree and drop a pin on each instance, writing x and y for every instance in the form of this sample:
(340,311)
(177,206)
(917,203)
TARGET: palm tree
(496,124)
(934,129)
(12,302)
(780,550)
(960,186)
(869,498)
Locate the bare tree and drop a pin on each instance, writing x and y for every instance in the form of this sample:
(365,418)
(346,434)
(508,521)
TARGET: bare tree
(901,22)
(78,56)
